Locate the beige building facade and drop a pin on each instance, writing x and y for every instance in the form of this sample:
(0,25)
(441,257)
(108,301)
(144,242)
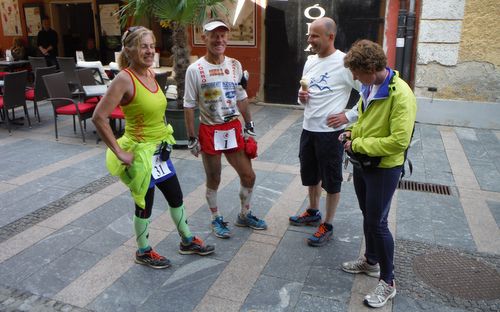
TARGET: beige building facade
(458,50)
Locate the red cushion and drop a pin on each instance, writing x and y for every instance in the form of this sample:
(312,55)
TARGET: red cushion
(117,113)
(1,101)
(30,94)
(2,74)
(93,100)
(70,109)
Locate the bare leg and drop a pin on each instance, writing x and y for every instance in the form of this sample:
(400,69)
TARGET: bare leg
(332,201)
(314,196)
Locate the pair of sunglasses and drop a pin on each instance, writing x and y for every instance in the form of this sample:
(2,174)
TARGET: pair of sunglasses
(130,30)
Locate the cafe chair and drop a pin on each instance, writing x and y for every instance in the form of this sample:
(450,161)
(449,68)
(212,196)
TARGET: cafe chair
(97,69)
(86,77)
(117,114)
(39,92)
(68,66)
(63,104)
(13,96)
(37,62)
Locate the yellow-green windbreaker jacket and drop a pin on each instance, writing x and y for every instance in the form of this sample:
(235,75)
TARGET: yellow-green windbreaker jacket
(385,127)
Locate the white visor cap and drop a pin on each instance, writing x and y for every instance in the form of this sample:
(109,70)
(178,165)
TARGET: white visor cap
(213,25)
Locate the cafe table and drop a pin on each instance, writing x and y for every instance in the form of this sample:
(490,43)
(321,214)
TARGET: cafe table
(11,65)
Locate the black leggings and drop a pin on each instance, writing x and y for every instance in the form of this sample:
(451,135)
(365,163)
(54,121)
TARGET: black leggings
(170,188)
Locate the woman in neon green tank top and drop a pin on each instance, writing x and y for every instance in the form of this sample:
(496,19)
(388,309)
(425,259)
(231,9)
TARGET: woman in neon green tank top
(141,157)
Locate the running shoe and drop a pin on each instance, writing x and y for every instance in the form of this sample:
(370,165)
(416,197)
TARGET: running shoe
(380,295)
(196,247)
(322,235)
(360,265)
(251,221)
(219,227)
(152,259)
(311,217)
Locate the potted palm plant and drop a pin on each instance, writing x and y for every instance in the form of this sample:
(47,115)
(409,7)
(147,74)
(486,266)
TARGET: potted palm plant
(178,15)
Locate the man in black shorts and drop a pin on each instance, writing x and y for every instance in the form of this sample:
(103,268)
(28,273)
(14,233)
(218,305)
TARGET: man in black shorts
(325,88)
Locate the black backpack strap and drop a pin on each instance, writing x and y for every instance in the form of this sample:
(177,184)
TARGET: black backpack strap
(410,165)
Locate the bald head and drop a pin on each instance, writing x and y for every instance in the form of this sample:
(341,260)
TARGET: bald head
(327,24)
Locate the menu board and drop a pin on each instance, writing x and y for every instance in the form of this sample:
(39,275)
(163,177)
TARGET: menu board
(110,23)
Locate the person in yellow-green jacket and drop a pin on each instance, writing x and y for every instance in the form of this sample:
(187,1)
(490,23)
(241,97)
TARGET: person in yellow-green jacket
(377,143)
(141,157)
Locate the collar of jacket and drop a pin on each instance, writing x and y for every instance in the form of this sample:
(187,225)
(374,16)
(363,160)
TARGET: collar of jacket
(383,91)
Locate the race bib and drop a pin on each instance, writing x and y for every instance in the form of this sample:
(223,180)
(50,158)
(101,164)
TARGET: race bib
(160,168)
(225,139)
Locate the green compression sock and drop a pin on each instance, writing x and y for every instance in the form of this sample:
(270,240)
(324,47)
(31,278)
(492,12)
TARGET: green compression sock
(141,232)
(179,217)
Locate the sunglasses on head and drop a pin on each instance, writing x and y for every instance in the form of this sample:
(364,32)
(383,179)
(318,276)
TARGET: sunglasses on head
(130,30)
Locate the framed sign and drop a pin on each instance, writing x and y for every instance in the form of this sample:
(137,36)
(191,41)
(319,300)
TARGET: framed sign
(110,23)
(11,19)
(241,21)
(33,15)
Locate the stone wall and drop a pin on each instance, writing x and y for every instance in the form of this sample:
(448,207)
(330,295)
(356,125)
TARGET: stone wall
(458,50)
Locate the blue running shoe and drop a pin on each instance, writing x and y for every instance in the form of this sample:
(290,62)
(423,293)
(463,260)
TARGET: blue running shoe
(251,221)
(311,217)
(322,235)
(220,229)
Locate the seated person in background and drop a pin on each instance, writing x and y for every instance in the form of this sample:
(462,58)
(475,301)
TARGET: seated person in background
(17,50)
(90,53)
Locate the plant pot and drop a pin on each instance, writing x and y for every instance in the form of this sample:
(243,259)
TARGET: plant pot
(175,117)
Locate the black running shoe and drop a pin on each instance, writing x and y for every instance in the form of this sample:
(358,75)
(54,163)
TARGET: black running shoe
(196,247)
(152,259)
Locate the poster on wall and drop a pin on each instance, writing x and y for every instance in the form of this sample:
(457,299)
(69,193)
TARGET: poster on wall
(110,23)
(11,19)
(33,20)
(240,18)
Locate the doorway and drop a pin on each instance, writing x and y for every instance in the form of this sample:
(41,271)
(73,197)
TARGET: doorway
(286,38)
(74,23)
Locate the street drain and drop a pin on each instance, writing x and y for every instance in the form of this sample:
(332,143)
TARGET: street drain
(458,275)
(424,187)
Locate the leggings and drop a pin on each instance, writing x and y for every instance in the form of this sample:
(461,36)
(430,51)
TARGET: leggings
(170,188)
(374,188)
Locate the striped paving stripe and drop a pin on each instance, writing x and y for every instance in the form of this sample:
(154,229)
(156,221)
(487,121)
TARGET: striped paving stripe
(482,224)
(33,175)
(36,233)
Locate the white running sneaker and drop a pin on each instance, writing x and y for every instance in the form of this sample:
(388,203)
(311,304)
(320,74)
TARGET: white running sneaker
(382,293)
(361,266)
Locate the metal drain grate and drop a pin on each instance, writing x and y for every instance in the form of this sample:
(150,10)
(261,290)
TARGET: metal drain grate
(424,187)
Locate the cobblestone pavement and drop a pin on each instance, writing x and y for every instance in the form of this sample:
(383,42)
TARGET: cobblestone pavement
(67,243)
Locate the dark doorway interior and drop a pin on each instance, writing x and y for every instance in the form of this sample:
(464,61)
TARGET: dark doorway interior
(76,25)
(286,38)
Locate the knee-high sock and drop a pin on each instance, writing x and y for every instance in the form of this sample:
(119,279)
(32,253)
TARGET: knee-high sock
(211,196)
(179,217)
(141,232)
(245,196)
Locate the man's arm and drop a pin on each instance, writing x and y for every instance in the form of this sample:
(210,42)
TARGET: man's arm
(189,120)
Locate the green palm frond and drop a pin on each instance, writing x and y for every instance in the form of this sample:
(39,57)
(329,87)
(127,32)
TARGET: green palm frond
(183,12)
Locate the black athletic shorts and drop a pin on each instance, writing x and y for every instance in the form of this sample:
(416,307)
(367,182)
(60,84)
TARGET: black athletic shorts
(321,160)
